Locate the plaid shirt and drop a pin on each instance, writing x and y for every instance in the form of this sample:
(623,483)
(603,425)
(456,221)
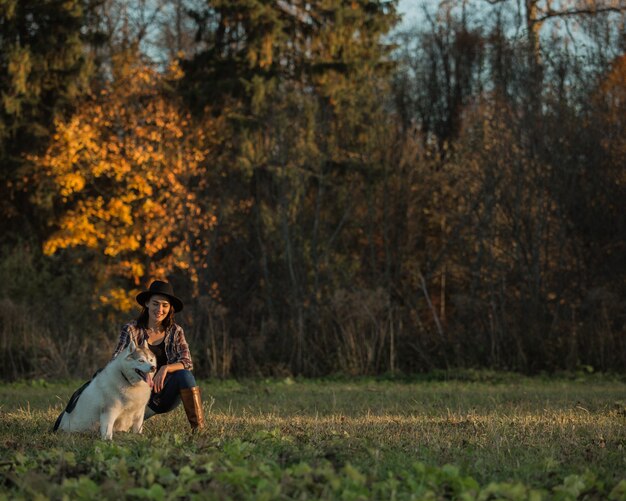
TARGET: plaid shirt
(176,347)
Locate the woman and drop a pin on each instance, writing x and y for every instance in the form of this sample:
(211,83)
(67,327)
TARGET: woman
(173,381)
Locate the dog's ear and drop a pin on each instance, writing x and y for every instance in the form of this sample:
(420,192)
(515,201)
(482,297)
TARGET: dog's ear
(131,347)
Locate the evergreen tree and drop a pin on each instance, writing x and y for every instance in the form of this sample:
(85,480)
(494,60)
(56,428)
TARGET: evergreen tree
(43,72)
(302,84)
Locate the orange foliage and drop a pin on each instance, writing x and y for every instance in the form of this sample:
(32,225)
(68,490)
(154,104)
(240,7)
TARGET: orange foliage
(610,108)
(125,174)
(613,88)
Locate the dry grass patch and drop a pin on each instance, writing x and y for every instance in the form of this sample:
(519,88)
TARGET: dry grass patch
(363,435)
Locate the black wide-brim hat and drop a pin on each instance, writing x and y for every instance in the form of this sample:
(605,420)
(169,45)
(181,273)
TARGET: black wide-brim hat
(162,289)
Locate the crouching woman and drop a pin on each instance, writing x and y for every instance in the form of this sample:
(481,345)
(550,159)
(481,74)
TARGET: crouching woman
(173,380)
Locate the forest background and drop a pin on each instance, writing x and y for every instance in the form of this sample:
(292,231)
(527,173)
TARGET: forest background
(328,190)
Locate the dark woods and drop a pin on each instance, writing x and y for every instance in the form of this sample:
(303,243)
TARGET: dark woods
(329,192)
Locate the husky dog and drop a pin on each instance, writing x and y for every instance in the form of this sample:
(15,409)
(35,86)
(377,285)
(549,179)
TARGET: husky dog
(116,397)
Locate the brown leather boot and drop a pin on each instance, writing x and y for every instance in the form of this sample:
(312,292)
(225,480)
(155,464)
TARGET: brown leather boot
(192,403)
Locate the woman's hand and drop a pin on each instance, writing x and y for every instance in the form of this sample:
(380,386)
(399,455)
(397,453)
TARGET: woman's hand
(159,379)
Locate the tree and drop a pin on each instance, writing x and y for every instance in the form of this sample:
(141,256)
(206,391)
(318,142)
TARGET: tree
(537,12)
(120,181)
(517,208)
(43,72)
(301,82)
(444,66)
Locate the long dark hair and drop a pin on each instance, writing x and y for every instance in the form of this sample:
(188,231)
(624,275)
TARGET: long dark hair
(142,319)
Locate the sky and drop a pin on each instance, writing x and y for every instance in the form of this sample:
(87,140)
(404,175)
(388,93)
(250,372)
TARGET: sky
(410,8)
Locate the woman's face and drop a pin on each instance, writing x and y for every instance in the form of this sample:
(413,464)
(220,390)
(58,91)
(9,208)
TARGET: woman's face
(158,308)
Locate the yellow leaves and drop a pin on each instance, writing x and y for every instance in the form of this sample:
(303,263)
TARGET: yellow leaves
(128,168)
(121,243)
(182,264)
(70,183)
(149,206)
(76,229)
(133,269)
(119,299)
(51,246)
(140,155)
(154,243)
(145,75)
(116,209)
(174,71)
(140,185)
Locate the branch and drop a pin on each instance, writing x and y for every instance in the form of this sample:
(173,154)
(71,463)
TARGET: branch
(431,306)
(550,13)
(294,11)
(577,12)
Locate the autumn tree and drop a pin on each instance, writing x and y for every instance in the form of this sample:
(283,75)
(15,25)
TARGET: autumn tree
(515,247)
(329,197)
(120,180)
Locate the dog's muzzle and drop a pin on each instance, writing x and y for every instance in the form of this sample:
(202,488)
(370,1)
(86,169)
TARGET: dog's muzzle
(146,376)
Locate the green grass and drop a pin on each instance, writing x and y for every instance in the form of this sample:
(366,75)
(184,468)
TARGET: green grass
(506,437)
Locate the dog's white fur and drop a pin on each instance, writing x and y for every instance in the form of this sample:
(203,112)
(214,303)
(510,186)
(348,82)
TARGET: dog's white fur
(117,396)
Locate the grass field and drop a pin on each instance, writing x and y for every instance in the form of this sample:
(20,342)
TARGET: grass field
(485,437)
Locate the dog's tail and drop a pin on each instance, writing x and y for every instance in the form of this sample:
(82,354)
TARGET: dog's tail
(57,423)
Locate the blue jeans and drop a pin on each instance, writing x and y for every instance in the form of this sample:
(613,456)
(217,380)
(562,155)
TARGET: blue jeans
(169,397)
